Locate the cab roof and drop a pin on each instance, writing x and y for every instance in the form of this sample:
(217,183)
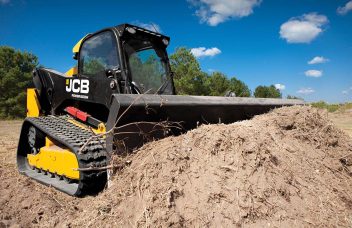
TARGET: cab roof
(122,29)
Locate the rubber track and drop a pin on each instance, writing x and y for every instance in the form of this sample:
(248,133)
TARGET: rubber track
(92,155)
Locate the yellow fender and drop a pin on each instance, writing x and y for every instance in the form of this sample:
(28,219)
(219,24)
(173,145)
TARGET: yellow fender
(55,159)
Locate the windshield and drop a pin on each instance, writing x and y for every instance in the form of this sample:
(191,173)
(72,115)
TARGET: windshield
(148,67)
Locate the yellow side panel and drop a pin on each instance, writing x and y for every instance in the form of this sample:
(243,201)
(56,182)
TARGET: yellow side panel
(33,106)
(72,71)
(55,160)
(100,130)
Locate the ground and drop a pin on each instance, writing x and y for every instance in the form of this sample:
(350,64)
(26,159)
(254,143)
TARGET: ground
(343,120)
(24,202)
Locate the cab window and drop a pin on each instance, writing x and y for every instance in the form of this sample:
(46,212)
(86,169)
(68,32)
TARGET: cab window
(98,54)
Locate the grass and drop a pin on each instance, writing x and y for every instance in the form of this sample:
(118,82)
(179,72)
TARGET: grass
(332,107)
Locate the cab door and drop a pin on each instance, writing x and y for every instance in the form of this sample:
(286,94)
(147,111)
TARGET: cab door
(97,55)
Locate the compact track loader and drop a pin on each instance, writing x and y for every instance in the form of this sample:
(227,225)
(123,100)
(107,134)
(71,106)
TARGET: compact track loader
(107,103)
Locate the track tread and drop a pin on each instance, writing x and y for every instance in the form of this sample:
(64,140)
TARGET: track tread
(92,155)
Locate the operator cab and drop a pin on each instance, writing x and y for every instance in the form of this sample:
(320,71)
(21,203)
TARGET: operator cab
(133,59)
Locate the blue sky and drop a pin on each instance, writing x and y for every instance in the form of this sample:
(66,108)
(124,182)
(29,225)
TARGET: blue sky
(260,42)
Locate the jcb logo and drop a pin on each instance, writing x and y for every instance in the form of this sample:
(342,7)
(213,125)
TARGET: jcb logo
(77,85)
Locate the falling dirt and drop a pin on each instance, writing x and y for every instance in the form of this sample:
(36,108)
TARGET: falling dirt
(290,167)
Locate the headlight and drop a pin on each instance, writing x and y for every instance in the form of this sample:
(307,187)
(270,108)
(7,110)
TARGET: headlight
(166,42)
(131,30)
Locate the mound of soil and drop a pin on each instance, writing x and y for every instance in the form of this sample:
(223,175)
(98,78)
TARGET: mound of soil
(290,167)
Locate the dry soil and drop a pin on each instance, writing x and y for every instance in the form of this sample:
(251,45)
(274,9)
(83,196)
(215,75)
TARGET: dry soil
(291,167)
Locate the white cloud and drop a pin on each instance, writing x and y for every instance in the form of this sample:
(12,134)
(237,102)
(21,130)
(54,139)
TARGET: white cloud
(345,9)
(306,91)
(202,51)
(303,29)
(215,12)
(347,91)
(3,2)
(318,59)
(150,26)
(314,73)
(280,86)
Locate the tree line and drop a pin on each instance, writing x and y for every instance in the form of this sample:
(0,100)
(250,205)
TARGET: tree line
(16,76)
(191,80)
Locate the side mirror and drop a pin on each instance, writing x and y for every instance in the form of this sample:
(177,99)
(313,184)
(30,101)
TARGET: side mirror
(75,56)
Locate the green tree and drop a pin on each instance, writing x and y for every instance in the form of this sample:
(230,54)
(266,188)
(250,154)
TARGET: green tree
(15,76)
(147,73)
(218,84)
(93,66)
(293,97)
(239,87)
(267,92)
(188,77)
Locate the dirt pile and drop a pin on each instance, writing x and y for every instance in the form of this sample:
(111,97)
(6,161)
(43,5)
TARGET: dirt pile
(290,167)
(283,168)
